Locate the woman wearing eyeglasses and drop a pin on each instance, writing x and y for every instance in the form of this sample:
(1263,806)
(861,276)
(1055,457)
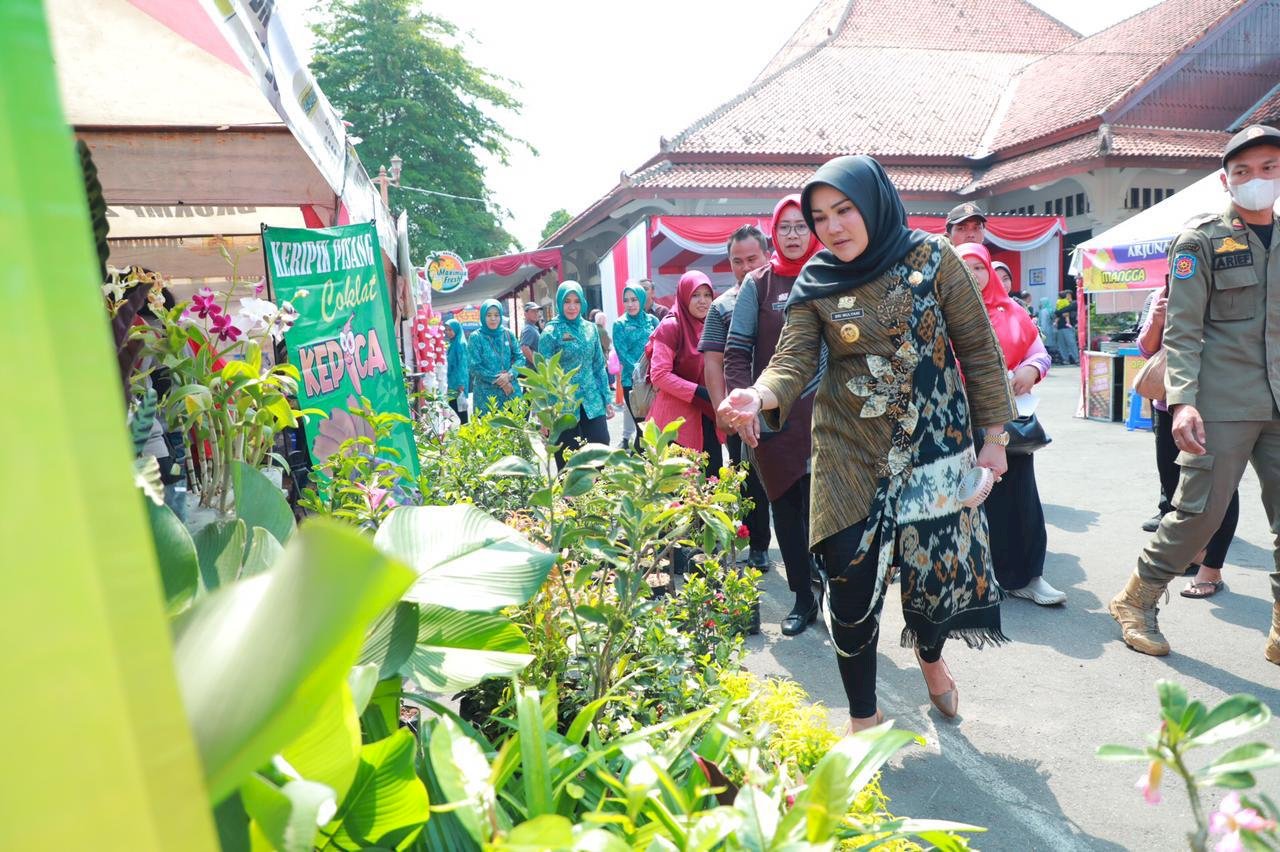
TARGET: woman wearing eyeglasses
(782,457)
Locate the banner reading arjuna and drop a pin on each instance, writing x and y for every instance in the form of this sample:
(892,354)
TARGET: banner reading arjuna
(343,343)
(1135,266)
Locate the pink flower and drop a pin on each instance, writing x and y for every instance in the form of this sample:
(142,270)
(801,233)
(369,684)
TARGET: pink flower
(1231,818)
(1149,783)
(225,328)
(260,288)
(743,532)
(377,497)
(203,304)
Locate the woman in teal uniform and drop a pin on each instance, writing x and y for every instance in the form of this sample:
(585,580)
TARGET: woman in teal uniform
(578,343)
(630,335)
(458,368)
(494,355)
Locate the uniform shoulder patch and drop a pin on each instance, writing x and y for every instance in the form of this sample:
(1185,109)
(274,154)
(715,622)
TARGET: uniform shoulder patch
(1186,245)
(1183,266)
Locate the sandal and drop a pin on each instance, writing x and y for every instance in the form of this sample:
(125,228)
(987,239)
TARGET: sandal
(1203,589)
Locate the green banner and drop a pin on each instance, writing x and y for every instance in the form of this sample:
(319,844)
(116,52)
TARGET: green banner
(343,343)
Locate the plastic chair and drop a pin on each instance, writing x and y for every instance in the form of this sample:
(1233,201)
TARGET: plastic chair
(1136,420)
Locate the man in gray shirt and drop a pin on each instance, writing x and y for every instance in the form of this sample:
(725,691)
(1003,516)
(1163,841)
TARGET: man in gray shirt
(531,332)
(748,249)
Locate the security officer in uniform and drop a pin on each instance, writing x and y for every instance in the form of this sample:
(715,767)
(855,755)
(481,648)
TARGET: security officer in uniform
(1222,381)
(966,223)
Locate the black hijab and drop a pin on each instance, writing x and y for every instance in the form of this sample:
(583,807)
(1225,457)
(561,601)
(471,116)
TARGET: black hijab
(864,182)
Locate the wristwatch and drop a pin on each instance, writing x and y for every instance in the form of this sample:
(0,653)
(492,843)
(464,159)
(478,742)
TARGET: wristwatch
(1000,439)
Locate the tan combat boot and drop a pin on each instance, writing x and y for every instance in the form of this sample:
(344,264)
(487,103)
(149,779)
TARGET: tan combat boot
(1272,651)
(1135,609)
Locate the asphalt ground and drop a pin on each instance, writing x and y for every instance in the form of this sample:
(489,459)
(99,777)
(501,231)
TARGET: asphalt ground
(1019,760)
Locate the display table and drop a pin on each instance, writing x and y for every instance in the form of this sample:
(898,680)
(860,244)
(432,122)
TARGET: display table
(1103,388)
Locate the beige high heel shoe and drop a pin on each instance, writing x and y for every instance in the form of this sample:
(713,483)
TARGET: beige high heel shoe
(948,703)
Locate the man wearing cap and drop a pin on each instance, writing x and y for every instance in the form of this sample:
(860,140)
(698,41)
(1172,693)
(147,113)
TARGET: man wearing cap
(966,223)
(531,332)
(1222,380)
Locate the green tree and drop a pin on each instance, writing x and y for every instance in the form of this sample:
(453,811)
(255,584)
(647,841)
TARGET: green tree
(555,222)
(400,77)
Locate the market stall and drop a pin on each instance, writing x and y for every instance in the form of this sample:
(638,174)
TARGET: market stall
(192,153)
(514,278)
(662,248)
(1118,269)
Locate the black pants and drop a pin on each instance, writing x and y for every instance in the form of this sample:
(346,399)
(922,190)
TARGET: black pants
(626,397)
(588,430)
(1215,554)
(711,446)
(462,415)
(791,518)
(848,601)
(757,520)
(1015,519)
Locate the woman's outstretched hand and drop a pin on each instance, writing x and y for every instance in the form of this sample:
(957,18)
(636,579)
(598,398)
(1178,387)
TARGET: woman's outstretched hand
(739,409)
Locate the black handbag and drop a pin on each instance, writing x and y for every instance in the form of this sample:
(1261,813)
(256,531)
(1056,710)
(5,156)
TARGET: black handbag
(1026,435)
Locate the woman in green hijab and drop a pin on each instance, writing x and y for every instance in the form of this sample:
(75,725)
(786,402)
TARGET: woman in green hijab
(578,344)
(494,354)
(457,368)
(631,334)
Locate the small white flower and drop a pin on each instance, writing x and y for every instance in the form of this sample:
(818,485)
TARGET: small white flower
(113,290)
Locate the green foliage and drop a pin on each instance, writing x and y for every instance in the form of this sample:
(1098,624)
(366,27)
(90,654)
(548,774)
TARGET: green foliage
(364,479)
(1186,725)
(665,786)
(557,220)
(279,643)
(452,465)
(417,96)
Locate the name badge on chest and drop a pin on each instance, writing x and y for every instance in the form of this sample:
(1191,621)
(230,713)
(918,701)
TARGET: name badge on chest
(1231,253)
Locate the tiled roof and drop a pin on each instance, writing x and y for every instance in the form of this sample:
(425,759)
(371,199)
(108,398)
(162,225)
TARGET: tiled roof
(1266,112)
(1119,142)
(998,26)
(849,99)
(788,177)
(813,31)
(1083,80)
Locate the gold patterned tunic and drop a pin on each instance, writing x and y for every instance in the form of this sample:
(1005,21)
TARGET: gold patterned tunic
(865,397)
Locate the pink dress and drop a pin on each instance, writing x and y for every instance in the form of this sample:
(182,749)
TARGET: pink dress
(676,395)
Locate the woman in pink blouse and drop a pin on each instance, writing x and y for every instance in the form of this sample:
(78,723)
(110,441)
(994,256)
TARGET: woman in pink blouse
(675,369)
(1014,514)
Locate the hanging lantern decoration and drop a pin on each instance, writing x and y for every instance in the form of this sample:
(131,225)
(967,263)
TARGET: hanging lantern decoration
(430,346)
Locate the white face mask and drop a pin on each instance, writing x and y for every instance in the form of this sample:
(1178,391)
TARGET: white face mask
(1257,194)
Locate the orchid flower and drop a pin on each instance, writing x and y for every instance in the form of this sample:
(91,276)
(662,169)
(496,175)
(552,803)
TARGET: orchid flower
(1231,818)
(114,290)
(203,304)
(225,328)
(256,314)
(283,320)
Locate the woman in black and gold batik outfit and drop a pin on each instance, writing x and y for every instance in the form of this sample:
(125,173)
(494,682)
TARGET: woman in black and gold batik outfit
(891,431)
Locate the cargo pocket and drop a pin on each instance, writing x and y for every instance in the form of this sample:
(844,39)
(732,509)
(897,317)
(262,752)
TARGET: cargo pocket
(1235,295)
(1194,483)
